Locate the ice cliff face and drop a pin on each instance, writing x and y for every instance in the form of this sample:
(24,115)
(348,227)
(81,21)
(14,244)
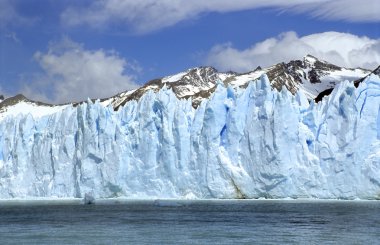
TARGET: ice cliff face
(240,143)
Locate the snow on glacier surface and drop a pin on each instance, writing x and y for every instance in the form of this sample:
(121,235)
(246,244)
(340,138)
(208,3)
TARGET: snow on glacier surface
(25,108)
(244,143)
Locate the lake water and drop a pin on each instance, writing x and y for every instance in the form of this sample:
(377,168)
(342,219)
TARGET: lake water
(187,222)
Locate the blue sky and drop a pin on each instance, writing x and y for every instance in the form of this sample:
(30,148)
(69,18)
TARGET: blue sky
(59,51)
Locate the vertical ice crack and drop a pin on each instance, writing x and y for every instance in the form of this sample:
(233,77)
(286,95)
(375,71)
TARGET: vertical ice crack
(52,161)
(378,124)
(364,102)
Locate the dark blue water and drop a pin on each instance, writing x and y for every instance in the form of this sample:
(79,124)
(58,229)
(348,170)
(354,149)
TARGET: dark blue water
(206,222)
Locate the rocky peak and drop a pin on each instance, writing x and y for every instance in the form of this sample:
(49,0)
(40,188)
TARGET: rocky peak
(309,60)
(258,68)
(12,101)
(184,84)
(200,77)
(17,99)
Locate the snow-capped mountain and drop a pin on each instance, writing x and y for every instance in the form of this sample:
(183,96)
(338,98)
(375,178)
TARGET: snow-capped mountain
(236,137)
(310,75)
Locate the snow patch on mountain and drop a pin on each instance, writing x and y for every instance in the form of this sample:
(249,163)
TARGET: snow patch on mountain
(24,108)
(330,80)
(173,78)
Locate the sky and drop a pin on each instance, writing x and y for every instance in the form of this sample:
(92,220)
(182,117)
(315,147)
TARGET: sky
(69,50)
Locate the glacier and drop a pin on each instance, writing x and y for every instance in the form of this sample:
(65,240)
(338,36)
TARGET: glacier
(252,142)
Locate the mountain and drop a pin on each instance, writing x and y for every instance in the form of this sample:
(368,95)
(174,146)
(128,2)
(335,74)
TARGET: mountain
(310,75)
(235,138)
(19,104)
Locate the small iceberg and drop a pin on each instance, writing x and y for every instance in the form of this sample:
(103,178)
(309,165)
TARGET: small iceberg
(89,199)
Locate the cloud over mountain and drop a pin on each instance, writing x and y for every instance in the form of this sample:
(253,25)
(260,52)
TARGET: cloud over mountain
(343,49)
(75,74)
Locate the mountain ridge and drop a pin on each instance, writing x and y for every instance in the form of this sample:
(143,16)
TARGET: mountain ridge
(315,77)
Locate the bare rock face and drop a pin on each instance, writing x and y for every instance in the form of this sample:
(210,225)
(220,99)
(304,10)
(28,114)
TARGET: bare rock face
(184,85)
(377,71)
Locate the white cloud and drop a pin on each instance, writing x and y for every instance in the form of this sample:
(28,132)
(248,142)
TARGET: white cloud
(338,48)
(348,10)
(9,15)
(149,15)
(72,73)
(13,36)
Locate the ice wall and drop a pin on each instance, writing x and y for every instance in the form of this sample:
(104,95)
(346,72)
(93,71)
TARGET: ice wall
(250,143)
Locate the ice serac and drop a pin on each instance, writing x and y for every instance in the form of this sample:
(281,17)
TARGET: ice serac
(240,143)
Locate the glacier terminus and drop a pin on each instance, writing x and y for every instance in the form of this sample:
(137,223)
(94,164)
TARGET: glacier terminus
(240,142)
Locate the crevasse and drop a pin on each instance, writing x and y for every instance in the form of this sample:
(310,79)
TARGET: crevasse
(246,143)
